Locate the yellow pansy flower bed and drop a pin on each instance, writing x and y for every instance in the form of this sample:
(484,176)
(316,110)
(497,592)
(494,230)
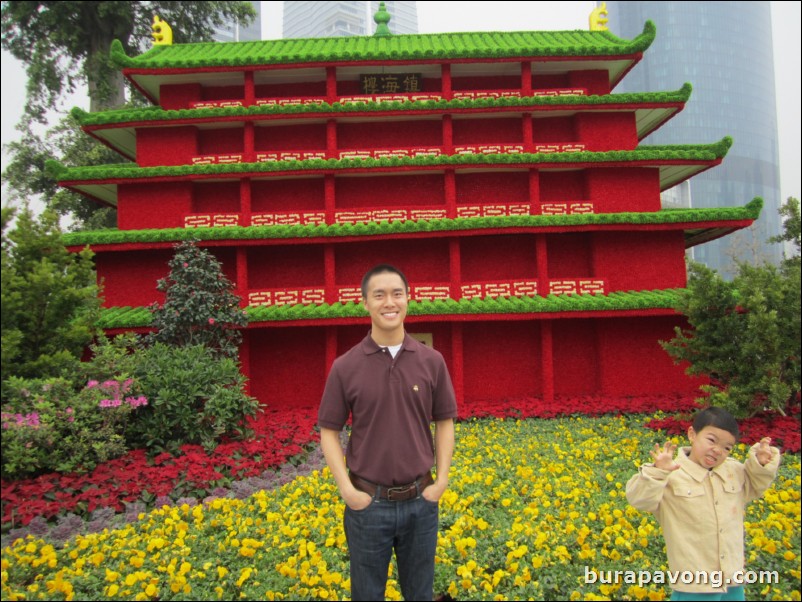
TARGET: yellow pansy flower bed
(533,507)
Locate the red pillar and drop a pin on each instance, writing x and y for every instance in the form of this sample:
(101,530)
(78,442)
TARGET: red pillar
(329,270)
(451,192)
(331,84)
(329,202)
(242,285)
(445,73)
(245,207)
(526,78)
(331,346)
(250,90)
(547,359)
(527,133)
(331,139)
(455,268)
(448,135)
(458,370)
(249,143)
(542,257)
(245,359)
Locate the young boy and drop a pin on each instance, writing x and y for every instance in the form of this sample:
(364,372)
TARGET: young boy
(699,499)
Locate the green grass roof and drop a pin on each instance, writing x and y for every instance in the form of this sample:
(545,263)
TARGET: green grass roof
(139,317)
(171,235)
(415,47)
(132,172)
(157,114)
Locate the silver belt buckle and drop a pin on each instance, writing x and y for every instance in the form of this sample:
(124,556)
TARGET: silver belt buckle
(392,491)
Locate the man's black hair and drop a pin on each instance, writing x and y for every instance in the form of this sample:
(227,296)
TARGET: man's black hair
(716,417)
(382,268)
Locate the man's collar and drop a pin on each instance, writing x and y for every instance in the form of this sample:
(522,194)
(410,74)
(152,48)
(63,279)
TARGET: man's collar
(370,346)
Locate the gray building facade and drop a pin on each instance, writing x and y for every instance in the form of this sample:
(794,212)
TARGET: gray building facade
(234,32)
(331,19)
(724,49)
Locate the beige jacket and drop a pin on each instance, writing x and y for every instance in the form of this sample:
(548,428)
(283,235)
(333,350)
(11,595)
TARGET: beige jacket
(702,512)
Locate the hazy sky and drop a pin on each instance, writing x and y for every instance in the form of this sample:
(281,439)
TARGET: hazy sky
(516,16)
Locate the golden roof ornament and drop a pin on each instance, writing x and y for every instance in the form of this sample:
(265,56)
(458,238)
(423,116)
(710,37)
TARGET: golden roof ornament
(598,18)
(162,32)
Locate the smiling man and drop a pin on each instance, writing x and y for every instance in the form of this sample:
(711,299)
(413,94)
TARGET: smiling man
(392,387)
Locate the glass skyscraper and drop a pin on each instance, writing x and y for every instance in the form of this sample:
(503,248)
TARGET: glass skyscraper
(234,32)
(724,50)
(329,19)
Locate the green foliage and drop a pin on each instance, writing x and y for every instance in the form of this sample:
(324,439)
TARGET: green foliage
(792,229)
(27,176)
(157,114)
(64,44)
(689,152)
(48,426)
(133,317)
(669,216)
(49,298)
(72,424)
(745,335)
(193,397)
(199,307)
(475,45)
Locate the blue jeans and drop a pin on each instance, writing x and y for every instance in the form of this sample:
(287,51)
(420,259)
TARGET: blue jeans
(409,528)
(732,593)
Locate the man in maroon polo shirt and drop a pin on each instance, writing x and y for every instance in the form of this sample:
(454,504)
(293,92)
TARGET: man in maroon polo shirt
(393,388)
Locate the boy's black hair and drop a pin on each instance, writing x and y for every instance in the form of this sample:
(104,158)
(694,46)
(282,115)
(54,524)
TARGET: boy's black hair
(382,268)
(716,417)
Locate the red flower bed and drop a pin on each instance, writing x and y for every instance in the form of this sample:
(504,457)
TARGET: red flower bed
(282,434)
(278,436)
(783,430)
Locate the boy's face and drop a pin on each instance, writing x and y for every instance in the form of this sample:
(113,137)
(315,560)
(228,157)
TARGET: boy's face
(710,446)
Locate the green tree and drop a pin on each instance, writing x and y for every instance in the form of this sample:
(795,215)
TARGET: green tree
(199,307)
(792,229)
(64,44)
(27,177)
(745,334)
(49,297)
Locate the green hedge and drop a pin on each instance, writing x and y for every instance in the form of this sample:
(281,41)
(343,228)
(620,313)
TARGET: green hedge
(415,47)
(131,171)
(667,216)
(132,317)
(140,114)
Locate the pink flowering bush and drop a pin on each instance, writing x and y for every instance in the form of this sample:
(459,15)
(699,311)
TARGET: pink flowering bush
(48,425)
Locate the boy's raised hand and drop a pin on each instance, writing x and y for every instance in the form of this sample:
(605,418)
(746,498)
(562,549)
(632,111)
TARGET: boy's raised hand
(763,453)
(664,457)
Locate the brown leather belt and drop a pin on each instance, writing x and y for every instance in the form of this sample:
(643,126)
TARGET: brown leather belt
(399,493)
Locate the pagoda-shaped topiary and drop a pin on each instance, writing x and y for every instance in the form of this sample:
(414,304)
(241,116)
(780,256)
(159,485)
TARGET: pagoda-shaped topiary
(498,170)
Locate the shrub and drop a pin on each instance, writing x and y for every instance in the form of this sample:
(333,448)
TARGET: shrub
(49,298)
(48,426)
(199,307)
(194,397)
(745,336)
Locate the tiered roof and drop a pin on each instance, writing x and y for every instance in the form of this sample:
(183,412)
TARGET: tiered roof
(117,128)
(547,52)
(602,48)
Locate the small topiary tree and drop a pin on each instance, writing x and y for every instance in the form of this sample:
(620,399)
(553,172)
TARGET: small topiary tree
(199,307)
(188,369)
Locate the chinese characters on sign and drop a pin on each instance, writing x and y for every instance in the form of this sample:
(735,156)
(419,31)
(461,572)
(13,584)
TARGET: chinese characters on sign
(390,83)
